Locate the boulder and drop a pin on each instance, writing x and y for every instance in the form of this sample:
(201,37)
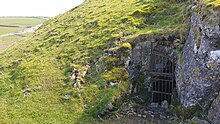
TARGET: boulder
(164,104)
(214,112)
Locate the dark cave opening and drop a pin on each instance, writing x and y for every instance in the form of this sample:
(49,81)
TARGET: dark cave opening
(162,78)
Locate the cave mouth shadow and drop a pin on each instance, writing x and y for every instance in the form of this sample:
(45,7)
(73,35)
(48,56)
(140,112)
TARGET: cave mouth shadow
(162,78)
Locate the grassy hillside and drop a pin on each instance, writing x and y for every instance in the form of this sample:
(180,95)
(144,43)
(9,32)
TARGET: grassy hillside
(35,75)
(17,23)
(8,41)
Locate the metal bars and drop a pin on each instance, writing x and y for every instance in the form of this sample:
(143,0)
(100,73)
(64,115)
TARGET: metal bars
(162,76)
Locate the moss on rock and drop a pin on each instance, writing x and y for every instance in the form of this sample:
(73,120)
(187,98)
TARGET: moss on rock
(116,75)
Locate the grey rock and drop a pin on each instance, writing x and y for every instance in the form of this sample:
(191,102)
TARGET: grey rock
(112,83)
(199,120)
(214,112)
(39,87)
(110,106)
(197,70)
(145,112)
(215,55)
(73,76)
(152,115)
(127,61)
(67,95)
(154,105)
(162,117)
(84,73)
(75,85)
(26,91)
(97,68)
(165,104)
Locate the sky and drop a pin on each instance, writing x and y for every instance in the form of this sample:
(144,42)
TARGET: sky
(36,7)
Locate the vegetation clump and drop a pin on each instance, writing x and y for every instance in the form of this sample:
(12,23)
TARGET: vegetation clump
(126,45)
(209,10)
(116,75)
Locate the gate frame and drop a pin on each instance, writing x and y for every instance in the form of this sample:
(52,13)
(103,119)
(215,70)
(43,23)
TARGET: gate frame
(154,53)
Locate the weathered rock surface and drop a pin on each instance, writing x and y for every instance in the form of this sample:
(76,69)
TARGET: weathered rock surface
(198,69)
(199,120)
(214,112)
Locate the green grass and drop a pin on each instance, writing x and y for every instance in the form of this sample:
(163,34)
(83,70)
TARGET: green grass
(6,30)
(209,9)
(73,40)
(21,22)
(6,42)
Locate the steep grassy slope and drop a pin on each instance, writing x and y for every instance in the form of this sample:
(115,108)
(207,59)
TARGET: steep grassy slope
(35,75)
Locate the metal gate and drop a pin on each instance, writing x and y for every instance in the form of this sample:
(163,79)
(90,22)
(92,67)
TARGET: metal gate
(162,76)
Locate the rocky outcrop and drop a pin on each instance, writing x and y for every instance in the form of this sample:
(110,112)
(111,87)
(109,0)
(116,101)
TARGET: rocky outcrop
(214,112)
(198,68)
(139,63)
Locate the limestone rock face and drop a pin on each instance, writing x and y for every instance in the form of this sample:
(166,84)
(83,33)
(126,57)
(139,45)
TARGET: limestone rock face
(214,112)
(139,63)
(198,68)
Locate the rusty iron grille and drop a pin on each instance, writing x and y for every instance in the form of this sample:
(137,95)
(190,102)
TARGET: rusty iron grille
(162,76)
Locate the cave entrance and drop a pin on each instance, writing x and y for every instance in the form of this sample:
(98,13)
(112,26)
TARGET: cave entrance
(162,72)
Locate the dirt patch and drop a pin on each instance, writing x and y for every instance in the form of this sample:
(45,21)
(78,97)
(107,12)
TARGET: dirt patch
(138,114)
